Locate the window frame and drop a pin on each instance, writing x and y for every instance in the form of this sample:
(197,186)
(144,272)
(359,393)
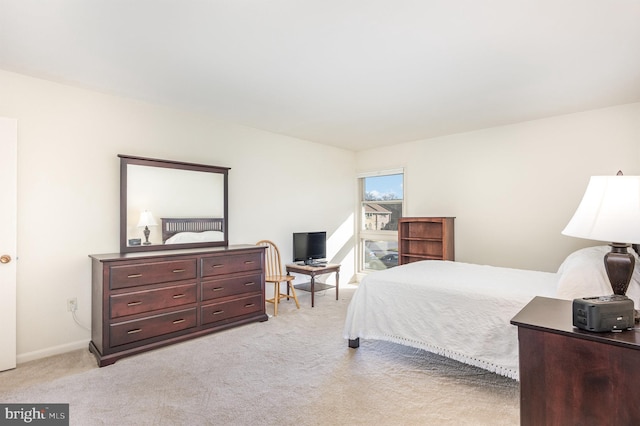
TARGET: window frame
(362,234)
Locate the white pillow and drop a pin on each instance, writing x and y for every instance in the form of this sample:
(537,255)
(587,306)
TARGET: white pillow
(583,274)
(196,237)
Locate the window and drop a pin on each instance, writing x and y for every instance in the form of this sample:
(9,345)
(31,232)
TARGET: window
(381,205)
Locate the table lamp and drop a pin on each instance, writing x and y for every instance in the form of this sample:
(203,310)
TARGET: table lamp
(146,220)
(610,211)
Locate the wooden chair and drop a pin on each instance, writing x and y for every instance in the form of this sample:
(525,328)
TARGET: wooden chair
(273,274)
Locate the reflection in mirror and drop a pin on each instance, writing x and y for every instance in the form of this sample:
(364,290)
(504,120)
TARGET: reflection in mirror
(169,205)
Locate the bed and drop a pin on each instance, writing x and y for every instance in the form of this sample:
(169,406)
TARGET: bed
(192,230)
(463,311)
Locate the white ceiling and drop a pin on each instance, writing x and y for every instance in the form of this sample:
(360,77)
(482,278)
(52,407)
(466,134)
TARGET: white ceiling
(350,73)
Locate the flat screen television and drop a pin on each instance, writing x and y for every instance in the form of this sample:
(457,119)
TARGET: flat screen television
(309,247)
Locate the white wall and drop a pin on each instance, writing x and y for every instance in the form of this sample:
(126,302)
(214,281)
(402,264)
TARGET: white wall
(513,189)
(68,191)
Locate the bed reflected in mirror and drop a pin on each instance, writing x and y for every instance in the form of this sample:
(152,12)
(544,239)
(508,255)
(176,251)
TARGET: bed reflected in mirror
(168,205)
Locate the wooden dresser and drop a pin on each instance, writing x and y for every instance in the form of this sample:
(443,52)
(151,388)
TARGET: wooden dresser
(145,300)
(425,238)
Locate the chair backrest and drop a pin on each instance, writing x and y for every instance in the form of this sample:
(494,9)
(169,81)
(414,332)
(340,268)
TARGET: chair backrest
(273,266)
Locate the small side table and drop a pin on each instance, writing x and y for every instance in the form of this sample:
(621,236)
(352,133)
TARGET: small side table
(312,271)
(570,376)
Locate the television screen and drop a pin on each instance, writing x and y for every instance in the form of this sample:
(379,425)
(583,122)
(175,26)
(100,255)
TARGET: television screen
(309,246)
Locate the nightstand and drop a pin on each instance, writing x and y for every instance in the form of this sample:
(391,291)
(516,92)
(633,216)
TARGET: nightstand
(570,376)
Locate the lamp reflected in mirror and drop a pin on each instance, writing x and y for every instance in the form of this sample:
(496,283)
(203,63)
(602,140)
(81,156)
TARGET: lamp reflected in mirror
(146,220)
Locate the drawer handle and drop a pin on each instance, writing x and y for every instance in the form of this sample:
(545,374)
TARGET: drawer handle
(137,330)
(249,262)
(250,283)
(134,303)
(249,305)
(218,312)
(179,296)
(177,271)
(134,275)
(219,265)
(178,321)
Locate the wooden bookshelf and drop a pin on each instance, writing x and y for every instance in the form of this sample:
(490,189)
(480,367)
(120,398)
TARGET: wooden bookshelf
(425,238)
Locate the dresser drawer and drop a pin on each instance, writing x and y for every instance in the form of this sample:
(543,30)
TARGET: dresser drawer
(223,287)
(152,273)
(150,300)
(133,331)
(219,265)
(233,308)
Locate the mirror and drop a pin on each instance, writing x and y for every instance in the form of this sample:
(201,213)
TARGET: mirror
(166,205)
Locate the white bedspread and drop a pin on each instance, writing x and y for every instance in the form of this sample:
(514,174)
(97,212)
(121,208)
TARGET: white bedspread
(458,310)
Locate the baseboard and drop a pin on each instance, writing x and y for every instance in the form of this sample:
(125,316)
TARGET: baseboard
(54,350)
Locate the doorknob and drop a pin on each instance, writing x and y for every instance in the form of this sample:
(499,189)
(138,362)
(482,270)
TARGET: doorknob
(5,258)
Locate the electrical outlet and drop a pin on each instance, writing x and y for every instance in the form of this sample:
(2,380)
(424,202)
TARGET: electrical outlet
(72,304)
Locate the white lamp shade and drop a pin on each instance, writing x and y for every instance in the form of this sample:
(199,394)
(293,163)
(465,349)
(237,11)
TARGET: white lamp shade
(146,219)
(609,211)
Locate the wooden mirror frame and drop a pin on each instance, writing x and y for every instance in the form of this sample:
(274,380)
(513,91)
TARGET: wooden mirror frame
(126,160)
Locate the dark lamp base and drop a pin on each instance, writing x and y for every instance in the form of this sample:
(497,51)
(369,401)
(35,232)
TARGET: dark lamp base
(619,266)
(146,233)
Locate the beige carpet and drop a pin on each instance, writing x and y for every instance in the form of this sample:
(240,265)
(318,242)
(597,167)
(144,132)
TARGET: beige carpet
(294,369)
